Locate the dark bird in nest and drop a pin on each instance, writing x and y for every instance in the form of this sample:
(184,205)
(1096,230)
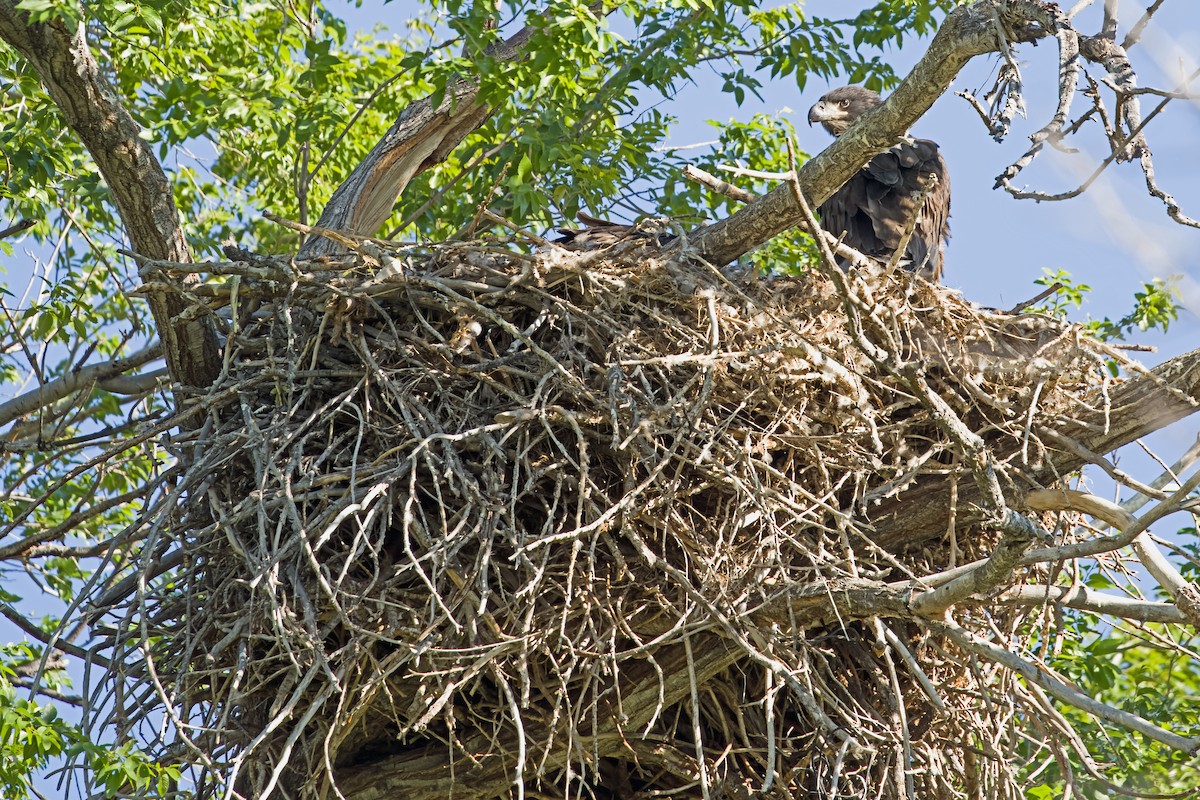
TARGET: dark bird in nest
(600,233)
(873,209)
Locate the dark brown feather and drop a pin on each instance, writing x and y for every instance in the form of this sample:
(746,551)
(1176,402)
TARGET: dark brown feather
(873,208)
(601,233)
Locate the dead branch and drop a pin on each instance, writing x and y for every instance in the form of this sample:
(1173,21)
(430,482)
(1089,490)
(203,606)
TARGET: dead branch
(421,137)
(60,388)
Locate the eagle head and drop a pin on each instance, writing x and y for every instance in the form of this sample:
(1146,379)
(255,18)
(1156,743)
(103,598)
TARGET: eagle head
(840,107)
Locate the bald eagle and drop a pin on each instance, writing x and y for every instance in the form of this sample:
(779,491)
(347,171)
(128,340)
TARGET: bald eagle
(873,208)
(600,233)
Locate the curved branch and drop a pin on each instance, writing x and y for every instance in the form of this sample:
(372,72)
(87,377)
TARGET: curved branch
(1133,530)
(421,137)
(57,389)
(1082,598)
(140,189)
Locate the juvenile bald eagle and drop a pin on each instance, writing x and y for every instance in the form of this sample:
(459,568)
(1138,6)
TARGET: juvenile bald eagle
(600,233)
(875,205)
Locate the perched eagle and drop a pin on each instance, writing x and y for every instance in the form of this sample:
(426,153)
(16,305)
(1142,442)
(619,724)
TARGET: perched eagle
(875,205)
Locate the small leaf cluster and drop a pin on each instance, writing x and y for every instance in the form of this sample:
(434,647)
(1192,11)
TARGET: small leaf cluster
(33,735)
(1155,306)
(1145,671)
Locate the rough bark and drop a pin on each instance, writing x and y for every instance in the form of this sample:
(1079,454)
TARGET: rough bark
(135,178)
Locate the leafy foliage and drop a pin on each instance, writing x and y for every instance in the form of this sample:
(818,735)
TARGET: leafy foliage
(33,735)
(1156,306)
(1146,671)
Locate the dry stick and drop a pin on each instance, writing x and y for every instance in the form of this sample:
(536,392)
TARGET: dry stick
(1118,475)
(697,733)
(1135,33)
(914,667)
(1038,698)
(1187,597)
(1081,598)
(1051,19)
(903,768)
(1040,676)
(697,175)
(499,220)
(1040,296)
(1169,476)
(1079,6)
(352,244)
(844,251)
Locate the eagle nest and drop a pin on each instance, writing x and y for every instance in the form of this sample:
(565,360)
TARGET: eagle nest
(459,521)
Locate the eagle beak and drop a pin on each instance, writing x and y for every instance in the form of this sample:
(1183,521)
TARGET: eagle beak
(820,113)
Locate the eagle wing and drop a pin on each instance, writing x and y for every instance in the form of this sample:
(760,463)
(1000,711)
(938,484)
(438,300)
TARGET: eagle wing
(875,205)
(601,233)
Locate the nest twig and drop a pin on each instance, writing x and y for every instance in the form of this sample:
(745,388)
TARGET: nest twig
(589,520)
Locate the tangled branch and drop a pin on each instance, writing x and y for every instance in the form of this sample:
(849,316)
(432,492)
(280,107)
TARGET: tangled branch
(467,517)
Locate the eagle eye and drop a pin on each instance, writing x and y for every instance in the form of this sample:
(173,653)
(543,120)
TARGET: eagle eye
(845,103)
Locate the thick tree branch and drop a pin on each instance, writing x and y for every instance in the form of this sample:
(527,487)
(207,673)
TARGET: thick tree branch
(1082,598)
(57,389)
(967,32)
(139,187)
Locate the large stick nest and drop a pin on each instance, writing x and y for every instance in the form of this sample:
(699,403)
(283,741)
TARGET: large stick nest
(459,517)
